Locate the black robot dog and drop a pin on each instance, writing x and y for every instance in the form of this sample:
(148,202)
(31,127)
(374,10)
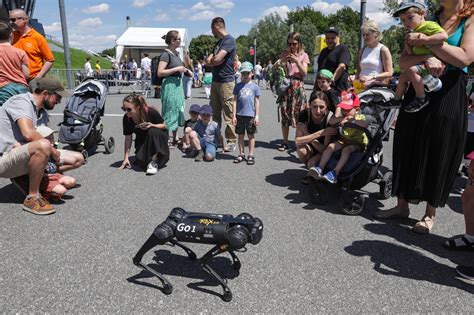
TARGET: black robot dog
(228,233)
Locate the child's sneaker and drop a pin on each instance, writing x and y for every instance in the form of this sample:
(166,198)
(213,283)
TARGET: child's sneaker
(200,156)
(393,103)
(316,172)
(38,205)
(331,177)
(432,84)
(416,105)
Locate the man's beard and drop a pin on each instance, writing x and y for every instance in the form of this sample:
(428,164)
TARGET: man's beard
(47,105)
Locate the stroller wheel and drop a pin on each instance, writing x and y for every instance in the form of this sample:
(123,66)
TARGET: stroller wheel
(351,203)
(318,192)
(109,145)
(85,154)
(386,185)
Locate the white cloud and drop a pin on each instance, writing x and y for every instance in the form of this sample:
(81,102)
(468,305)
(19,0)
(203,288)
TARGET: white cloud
(247,20)
(92,42)
(162,17)
(100,8)
(141,3)
(374,12)
(282,11)
(199,6)
(222,4)
(53,28)
(203,15)
(90,22)
(327,8)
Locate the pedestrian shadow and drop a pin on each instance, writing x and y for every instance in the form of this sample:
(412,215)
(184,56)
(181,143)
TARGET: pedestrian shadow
(401,232)
(454,201)
(10,194)
(395,260)
(170,264)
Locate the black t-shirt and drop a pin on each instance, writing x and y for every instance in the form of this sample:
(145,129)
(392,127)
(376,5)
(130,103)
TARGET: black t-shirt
(225,71)
(330,60)
(189,123)
(129,126)
(333,97)
(173,61)
(305,118)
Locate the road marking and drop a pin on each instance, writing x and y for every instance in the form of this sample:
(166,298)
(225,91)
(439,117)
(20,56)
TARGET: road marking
(106,115)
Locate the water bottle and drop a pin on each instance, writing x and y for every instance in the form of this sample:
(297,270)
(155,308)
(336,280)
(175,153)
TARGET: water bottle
(432,84)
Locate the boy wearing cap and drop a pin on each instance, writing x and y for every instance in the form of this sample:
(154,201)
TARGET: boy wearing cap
(323,83)
(351,140)
(189,126)
(245,112)
(54,184)
(423,35)
(206,136)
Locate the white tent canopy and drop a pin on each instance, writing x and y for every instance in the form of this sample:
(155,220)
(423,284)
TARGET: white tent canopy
(147,38)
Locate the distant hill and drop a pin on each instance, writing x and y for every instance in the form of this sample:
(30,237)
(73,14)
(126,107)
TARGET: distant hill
(78,58)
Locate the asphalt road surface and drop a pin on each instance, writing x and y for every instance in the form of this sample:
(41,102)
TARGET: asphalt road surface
(311,259)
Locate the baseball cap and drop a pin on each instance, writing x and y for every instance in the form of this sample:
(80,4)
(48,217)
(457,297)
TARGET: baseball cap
(406,5)
(206,109)
(45,131)
(348,100)
(470,156)
(332,29)
(51,85)
(195,108)
(246,67)
(325,73)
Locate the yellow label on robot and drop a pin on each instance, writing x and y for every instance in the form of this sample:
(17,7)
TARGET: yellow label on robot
(207,221)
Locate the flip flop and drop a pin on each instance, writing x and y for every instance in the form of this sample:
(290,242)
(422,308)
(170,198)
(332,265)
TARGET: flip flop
(424,226)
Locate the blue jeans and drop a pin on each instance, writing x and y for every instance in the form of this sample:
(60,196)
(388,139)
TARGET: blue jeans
(208,148)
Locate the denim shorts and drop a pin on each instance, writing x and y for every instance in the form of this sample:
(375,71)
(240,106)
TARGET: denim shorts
(208,148)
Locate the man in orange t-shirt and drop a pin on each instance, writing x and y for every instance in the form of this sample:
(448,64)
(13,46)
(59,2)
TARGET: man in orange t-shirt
(40,58)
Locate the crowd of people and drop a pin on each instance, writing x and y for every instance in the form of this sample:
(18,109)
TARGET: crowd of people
(431,95)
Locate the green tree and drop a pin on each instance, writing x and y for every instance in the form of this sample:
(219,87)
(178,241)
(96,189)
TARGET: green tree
(393,38)
(243,43)
(200,47)
(108,51)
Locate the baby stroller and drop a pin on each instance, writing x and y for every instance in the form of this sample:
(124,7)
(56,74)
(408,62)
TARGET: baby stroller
(362,167)
(81,127)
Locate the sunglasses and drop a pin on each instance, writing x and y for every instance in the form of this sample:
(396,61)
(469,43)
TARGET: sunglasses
(126,109)
(18,18)
(293,44)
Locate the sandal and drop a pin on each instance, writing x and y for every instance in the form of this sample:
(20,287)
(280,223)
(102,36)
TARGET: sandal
(283,147)
(239,159)
(459,242)
(424,226)
(170,144)
(250,160)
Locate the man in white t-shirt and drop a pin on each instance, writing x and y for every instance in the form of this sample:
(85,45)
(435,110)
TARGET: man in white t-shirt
(145,64)
(258,72)
(88,68)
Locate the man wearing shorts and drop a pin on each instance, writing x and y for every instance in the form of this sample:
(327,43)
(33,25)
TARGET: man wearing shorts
(23,151)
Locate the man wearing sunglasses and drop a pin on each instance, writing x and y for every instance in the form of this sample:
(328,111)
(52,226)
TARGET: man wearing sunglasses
(335,58)
(23,151)
(40,57)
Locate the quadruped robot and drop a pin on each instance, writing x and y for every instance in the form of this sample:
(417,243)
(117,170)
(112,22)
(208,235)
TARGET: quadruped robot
(227,233)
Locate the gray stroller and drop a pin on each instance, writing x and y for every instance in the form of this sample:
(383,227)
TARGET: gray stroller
(81,127)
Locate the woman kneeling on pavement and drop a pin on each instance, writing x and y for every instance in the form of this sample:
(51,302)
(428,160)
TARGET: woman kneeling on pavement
(311,129)
(151,135)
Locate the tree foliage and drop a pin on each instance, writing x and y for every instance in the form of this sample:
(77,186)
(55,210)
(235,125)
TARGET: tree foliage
(393,38)
(200,47)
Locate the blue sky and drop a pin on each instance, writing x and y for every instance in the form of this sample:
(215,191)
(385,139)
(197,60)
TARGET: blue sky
(95,25)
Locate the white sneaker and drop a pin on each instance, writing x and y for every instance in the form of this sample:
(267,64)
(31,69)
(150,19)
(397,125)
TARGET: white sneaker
(152,168)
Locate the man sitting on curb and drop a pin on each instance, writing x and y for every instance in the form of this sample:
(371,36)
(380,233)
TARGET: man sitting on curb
(22,149)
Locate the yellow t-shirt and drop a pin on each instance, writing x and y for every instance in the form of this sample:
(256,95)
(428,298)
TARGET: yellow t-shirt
(428,28)
(355,136)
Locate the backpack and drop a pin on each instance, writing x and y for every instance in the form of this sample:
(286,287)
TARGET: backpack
(155,79)
(279,81)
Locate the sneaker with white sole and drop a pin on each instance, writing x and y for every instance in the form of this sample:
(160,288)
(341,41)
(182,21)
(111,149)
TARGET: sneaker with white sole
(331,177)
(466,272)
(152,168)
(38,205)
(315,172)
(229,147)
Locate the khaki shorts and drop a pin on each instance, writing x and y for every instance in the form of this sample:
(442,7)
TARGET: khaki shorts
(15,162)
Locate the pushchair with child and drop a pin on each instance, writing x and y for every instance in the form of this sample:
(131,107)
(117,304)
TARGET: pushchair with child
(81,127)
(362,167)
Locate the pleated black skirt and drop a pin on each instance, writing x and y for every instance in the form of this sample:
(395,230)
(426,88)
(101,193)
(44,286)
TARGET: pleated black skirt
(428,145)
(156,142)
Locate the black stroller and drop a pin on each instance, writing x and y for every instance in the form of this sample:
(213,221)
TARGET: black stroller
(362,167)
(81,127)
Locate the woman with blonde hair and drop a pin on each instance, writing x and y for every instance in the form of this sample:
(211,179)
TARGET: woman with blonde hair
(151,135)
(375,61)
(295,61)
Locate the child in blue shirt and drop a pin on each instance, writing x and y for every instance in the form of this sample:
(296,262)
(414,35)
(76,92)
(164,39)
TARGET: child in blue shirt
(245,112)
(206,136)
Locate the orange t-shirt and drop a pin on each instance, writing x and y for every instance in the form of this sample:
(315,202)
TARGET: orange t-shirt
(36,48)
(11,61)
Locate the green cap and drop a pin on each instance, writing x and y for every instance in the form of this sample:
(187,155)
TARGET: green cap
(325,73)
(246,67)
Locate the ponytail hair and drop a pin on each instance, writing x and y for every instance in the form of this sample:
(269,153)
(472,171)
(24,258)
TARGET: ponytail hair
(140,102)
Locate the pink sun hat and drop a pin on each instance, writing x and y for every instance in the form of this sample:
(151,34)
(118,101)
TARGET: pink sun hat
(470,156)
